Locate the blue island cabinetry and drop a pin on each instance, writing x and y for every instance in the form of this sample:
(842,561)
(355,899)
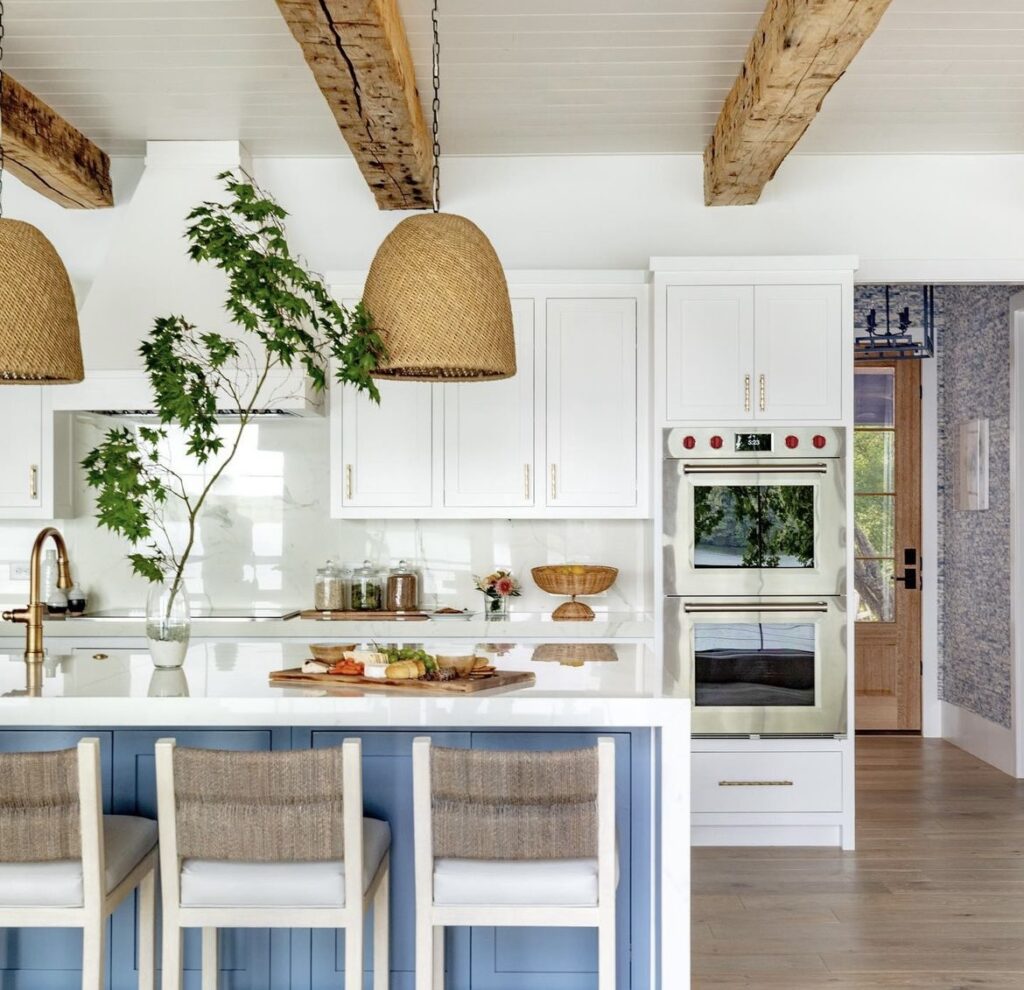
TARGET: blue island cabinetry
(477,958)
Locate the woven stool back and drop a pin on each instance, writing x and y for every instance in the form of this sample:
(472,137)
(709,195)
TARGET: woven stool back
(259,807)
(40,811)
(514,805)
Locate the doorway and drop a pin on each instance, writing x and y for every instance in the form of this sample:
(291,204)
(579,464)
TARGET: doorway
(888,569)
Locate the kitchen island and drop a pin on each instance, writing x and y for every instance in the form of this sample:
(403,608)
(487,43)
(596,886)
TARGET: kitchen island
(222,698)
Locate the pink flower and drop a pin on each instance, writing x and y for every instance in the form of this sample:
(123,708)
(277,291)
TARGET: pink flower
(504,586)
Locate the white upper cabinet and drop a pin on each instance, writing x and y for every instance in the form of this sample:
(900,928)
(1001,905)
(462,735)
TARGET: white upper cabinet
(709,352)
(21,480)
(771,343)
(387,449)
(798,348)
(591,402)
(488,431)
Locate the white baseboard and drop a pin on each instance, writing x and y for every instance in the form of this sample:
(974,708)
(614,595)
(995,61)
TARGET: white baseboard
(981,738)
(766,835)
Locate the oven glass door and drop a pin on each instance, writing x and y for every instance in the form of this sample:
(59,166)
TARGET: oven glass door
(761,666)
(754,529)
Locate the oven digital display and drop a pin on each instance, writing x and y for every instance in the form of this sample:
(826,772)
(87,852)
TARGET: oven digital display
(752,441)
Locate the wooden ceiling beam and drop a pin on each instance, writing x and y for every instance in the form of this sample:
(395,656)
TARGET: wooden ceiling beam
(798,52)
(49,155)
(359,56)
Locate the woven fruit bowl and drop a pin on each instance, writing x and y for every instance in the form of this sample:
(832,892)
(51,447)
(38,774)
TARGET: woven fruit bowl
(573,580)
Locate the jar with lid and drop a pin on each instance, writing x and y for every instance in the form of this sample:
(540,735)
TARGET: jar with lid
(367,589)
(329,589)
(403,589)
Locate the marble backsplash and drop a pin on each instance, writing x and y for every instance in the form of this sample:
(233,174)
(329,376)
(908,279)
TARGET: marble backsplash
(267,527)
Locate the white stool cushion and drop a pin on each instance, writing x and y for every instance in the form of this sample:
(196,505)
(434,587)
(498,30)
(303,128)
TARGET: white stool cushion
(224,883)
(126,841)
(562,882)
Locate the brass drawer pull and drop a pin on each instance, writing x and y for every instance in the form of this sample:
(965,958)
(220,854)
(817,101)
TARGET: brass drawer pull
(33,482)
(348,481)
(755,783)
(746,393)
(526,482)
(554,483)
(764,390)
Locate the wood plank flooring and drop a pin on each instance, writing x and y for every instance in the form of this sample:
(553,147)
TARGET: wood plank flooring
(932,899)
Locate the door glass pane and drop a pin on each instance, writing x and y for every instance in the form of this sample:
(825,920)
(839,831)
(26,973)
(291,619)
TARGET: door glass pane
(753,526)
(873,396)
(873,465)
(874,584)
(874,522)
(752,664)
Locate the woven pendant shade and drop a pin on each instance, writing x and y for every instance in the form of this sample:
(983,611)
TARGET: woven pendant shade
(437,296)
(39,340)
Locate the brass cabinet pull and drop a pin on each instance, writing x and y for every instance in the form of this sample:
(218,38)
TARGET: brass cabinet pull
(33,482)
(764,606)
(746,393)
(348,481)
(755,783)
(526,481)
(554,482)
(763,391)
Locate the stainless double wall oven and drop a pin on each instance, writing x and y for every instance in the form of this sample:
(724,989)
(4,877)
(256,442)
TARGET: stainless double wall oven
(754,568)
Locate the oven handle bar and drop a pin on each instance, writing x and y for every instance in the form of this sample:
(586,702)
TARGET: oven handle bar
(755,607)
(746,467)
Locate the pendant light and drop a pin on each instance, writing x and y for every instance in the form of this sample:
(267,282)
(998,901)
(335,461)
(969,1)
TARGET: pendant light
(39,340)
(437,293)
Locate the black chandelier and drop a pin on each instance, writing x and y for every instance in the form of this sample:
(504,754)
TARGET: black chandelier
(874,341)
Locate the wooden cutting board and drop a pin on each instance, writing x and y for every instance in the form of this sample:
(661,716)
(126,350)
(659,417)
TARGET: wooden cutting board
(470,685)
(374,616)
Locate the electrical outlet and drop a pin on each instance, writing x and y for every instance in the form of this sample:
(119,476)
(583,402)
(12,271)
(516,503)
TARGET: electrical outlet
(19,572)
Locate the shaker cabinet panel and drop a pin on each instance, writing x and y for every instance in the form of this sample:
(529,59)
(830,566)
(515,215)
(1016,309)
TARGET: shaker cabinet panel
(798,350)
(21,410)
(591,402)
(488,430)
(387,449)
(709,352)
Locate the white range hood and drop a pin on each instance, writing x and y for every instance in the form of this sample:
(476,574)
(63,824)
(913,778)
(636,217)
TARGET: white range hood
(147,274)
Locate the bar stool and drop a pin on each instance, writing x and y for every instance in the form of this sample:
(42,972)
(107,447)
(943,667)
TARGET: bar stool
(269,840)
(513,839)
(63,863)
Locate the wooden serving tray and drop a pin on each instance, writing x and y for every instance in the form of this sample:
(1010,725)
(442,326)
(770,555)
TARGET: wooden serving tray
(467,685)
(364,616)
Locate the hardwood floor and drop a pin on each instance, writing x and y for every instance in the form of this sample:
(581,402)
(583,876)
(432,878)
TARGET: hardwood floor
(933,898)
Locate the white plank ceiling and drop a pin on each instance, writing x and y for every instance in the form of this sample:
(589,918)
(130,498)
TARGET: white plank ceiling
(518,76)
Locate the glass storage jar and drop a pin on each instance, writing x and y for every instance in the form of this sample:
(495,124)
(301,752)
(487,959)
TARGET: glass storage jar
(367,589)
(403,589)
(329,589)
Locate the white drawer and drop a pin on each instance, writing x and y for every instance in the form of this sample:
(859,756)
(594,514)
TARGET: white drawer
(767,782)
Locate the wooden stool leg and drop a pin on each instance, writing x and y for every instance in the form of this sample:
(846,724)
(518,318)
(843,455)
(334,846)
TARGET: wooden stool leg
(147,931)
(606,957)
(438,975)
(354,957)
(171,938)
(381,928)
(209,981)
(92,953)
(424,955)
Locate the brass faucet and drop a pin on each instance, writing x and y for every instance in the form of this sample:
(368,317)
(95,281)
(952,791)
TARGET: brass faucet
(32,615)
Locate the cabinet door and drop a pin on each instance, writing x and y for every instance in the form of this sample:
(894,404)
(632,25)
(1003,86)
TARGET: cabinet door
(709,352)
(591,403)
(387,449)
(798,352)
(21,412)
(488,431)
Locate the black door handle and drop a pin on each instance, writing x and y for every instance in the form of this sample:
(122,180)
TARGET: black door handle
(909,578)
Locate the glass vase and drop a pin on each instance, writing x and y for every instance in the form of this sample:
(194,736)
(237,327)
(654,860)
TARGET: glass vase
(496,607)
(168,622)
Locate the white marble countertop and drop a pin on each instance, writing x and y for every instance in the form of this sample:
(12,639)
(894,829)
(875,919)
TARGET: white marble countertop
(606,626)
(225,683)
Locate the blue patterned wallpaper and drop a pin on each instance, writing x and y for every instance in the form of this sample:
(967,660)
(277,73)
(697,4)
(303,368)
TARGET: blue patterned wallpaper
(973,570)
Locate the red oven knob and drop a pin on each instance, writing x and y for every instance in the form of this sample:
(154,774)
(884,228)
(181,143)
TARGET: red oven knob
(792,442)
(689,442)
(819,441)
(716,442)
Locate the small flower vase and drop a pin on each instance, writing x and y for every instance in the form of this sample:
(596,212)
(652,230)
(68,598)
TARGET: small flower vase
(168,623)
(496,607)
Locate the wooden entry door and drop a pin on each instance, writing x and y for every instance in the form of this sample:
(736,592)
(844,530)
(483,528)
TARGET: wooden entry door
(887,514)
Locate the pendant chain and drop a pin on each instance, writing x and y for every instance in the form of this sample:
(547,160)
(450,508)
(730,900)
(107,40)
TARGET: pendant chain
(1,108)
(436,106)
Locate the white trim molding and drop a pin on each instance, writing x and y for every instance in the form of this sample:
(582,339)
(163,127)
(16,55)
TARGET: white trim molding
(995,744)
